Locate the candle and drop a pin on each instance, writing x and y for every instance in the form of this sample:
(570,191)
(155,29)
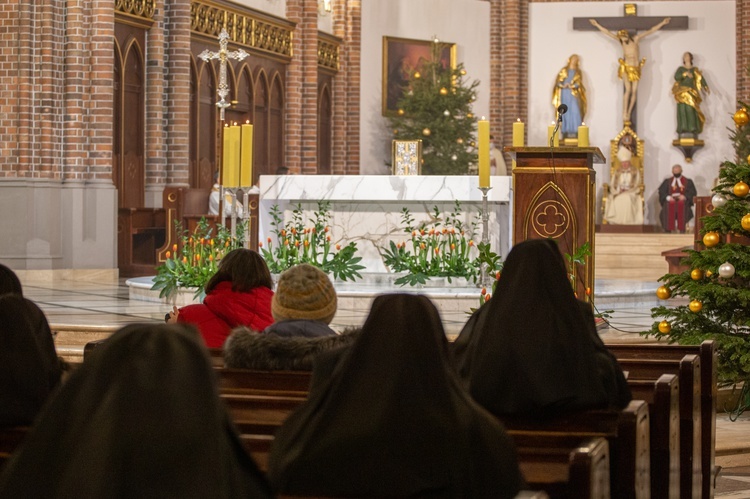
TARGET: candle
(484,152)
(230,157)
(550,131)
(246,155)
(583,135)
(518,131)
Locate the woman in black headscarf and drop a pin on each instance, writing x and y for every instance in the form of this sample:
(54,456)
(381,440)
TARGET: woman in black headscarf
(532,350)
(9,282)
(141,418)
(29,367)
(392,421)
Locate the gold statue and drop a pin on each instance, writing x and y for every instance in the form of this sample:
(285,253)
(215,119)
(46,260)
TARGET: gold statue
(569,90)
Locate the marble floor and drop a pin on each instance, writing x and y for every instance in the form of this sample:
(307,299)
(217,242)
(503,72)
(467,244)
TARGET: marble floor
(103,306)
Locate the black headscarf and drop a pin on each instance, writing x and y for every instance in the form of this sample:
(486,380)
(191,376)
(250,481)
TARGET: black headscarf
(528,351)
(140,418)
(29,369)
(391,420)
(9,282)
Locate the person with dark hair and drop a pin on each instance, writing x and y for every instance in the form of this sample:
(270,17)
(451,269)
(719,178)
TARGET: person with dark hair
(533,350)
(141,418)
(387,417)
(29,367)
(9,282)
(282,170)
(238,294)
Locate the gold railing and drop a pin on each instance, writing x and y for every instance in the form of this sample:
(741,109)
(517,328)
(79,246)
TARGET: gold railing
(246,30)
(143,9)
(328,54)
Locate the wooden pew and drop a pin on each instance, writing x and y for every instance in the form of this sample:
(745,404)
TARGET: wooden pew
(247,380)
(688,372)
(10,440)
(663,398)
(627,433)
(707,351)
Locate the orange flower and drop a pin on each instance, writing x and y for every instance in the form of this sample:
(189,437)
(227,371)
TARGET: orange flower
(588,291)
(414,233)
(432,232)
(226,244)
(286,242)
(210,258)
(296,243)
(328,238)
(338,247)
(190,240)
(197,257)
(445,230)
(174,248)
(184,259)
(471,243)
(283,232)
(269,240)
(212,241)
(437,251)
(168,254)
(260,244)
(294,230)
(487,297)
(307,243)
(462,233)
(203,240)
(313,230)
(421,232)
(421,245)
(453,246)
(484,291)
(497,275)
(327,229)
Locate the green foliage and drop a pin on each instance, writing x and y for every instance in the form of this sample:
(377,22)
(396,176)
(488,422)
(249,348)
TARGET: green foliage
(191,263)
(577,258)
(725,313)
(442,249)
(424,108)
(296,243)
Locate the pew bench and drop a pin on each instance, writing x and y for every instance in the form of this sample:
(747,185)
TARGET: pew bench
(10,440)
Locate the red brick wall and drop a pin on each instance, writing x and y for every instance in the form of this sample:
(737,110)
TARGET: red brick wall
(100,30)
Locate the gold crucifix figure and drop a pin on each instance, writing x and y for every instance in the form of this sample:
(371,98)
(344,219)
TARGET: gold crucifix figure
(223,54)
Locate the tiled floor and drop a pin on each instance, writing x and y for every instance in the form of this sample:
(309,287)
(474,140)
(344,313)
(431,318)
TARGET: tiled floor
(105,306)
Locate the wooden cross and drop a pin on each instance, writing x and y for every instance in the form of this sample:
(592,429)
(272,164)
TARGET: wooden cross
(223,54)
(624,29)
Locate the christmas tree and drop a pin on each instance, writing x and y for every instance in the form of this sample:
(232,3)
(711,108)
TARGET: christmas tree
(436,108)
(717,283)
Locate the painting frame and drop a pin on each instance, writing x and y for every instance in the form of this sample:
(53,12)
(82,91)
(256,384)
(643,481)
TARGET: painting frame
(408,51)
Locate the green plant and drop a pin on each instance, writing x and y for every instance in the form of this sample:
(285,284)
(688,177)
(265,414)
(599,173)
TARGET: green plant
(191,263)
(442,249)
(296,243)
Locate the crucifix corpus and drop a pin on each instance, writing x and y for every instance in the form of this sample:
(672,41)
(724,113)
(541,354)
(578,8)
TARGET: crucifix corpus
(223,54)
(623,29)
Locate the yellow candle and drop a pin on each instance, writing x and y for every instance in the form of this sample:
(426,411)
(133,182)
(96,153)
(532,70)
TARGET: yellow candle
(246,156)
(518,131)
(484,152)
(550,130)
(583,135)
(231,156)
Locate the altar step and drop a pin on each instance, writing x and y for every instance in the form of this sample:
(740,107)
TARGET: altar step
(635,256)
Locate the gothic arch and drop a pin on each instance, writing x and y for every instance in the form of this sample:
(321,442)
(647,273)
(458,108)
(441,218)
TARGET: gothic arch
(261,125)
(325,129)
(276,125)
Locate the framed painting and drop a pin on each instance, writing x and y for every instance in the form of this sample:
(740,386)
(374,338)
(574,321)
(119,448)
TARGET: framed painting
(401,58)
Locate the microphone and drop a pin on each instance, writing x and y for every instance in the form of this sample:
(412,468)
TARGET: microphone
(561,109)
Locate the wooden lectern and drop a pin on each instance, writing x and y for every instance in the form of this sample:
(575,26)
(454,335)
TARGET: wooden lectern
(554,194)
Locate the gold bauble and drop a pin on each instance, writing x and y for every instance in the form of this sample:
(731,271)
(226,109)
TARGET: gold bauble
(459,140)
(417,75)
(426,132)
(741,189)
(443,91)
(695,306)
(741,118)
(462,72)
(395,132)
(663,293)
(665,327)
(469,115)
(746,222)
(472,143)
(696,274)
(400,112)
(709,274)
(748,158)
(711,239)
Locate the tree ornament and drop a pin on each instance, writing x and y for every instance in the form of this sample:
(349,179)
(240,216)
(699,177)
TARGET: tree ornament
(454,157)
(696,274)
(469,115)
(410,92)
(695,306)
(709,274)
(746,222)
(748,158)
(463,72)
(426,132)
(741,118)
(718,200)
(472,143)
(400,112)
(446,113)
(417,75)
(443,91)
(741,189)
(395,132)
(726,270)
(665,327)
(663,293)
(459,140)
(711,239)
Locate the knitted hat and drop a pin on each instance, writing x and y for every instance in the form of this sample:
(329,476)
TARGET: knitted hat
(304,292)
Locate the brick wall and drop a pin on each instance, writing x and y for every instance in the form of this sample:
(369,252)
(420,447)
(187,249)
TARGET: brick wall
(10,23)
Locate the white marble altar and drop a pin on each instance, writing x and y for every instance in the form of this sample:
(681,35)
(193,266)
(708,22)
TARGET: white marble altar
(367,209)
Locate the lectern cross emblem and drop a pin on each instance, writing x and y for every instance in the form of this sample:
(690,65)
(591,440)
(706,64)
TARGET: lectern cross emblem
(223,54)
(550,219)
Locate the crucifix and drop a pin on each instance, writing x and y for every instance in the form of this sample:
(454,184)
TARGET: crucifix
(223,54)
(622,30)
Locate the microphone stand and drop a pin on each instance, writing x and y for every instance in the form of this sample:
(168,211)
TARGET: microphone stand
(557,128)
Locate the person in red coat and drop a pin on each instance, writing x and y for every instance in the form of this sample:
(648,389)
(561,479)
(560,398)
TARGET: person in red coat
(238,294)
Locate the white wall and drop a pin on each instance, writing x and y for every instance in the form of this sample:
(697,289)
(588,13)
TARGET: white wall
(463,22)
(273,7)
(711,39)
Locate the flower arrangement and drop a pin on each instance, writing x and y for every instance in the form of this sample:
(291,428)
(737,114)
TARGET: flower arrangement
(297,242)
(443,249)
(192,263)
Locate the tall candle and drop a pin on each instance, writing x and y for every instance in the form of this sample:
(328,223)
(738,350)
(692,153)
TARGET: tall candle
(550,131)
(246,155)
(231,157)
(483,132)
(518,131)
(583,135)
